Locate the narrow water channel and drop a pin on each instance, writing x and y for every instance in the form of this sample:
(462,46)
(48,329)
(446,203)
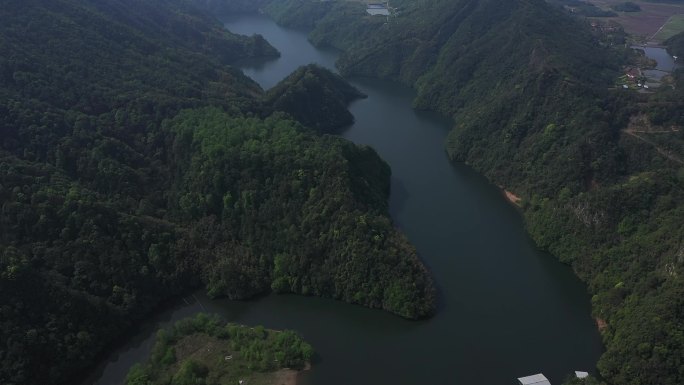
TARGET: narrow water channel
(507,310)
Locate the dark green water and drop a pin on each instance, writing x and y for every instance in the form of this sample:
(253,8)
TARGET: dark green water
(506,309)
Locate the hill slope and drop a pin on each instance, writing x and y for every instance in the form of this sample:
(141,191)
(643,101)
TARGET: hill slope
(315,97)
(528,87)
(136,164)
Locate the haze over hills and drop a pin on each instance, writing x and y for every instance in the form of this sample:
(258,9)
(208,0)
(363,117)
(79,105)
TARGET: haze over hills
(137,165)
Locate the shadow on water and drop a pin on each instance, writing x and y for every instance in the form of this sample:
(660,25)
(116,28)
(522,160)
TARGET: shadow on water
(398,196)
(138,344)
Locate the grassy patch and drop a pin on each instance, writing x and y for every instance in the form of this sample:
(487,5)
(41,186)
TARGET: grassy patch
(672,27)
(205,351)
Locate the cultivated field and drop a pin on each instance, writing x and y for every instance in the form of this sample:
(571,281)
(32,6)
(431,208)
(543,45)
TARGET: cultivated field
(673,26)
(646,24)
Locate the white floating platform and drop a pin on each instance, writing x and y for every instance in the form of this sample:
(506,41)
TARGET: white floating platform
(535,379)
(378,11)
(579,374)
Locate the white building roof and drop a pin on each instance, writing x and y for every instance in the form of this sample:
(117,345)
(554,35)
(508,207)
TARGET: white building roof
(378,11)
(579,374)
(535,379)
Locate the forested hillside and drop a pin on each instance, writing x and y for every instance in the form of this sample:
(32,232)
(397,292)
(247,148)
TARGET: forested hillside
(231,6)
(675,44)
(315,97)
(136,164)
(530,91)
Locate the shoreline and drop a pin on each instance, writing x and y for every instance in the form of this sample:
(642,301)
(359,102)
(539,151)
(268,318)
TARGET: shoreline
(289,376)
(511,197)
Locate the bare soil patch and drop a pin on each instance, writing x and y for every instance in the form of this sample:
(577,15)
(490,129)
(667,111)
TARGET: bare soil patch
(512,197)
(601,324)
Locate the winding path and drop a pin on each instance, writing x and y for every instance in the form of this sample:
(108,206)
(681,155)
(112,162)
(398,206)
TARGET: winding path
(661,151)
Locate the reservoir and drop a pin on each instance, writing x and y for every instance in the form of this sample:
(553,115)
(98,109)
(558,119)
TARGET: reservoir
(665,64)
(664,61)
(506,309)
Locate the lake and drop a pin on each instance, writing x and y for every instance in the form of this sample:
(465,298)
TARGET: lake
(506,309)
(664,61)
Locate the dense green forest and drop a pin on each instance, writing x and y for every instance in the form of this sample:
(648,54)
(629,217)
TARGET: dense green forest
(675,44)
(296,213)
(231,6)
(136,164)
(530,90)
(204,350)
(315,97)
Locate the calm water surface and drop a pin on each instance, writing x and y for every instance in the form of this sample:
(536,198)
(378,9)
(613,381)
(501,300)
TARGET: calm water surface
(507,310)
(664,61)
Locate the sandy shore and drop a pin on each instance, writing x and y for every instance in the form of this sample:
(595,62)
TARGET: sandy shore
(601,324)
(285,377)
(512,197)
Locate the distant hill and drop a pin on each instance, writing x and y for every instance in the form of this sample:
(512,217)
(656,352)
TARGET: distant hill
(231,6)
(675,45)
(315,97)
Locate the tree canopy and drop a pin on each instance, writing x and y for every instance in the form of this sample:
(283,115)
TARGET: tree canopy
(205,350)
(136,164)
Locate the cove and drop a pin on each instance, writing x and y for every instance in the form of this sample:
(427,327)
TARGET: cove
(506,309)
